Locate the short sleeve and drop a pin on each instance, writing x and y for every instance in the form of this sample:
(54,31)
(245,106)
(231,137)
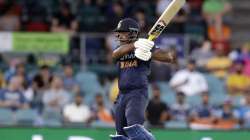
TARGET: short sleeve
(178,78)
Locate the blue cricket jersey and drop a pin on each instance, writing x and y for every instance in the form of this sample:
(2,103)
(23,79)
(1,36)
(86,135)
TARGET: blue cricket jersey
(133,73)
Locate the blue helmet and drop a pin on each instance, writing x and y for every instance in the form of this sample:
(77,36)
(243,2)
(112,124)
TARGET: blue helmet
(128,25)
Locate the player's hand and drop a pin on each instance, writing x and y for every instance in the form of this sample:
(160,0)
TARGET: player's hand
(144,44)
(172,56)
(143,47)
(142,55)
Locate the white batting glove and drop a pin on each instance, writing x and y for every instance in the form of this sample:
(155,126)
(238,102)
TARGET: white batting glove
(144,44)
(142,55)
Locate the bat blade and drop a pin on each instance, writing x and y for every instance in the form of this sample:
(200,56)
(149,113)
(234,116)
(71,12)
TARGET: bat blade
(165,18)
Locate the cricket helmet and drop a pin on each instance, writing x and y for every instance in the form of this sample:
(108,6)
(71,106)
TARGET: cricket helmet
(128,25)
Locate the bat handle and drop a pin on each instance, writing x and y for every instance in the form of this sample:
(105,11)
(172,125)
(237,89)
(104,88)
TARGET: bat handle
(151,37)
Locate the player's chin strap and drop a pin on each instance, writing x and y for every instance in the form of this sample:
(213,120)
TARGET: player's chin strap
(138,132)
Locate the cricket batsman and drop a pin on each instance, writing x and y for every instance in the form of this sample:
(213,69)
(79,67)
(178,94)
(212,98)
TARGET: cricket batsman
(133,56)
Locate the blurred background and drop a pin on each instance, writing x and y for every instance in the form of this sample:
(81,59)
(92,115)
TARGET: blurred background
(56,70)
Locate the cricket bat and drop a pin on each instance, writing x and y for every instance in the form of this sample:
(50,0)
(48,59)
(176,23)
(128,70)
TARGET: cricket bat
(165,18)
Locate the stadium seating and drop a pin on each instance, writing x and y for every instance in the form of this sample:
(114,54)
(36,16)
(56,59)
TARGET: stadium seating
(89,18)
(237,100)
(92,35)
(215,85)
(100,124)
(6,117)
(168,95)
(52,123)
(176,124)
(217,90)
(52,118)
(193,100)
(75,124)
(89,84)
(217,99)
(25,116)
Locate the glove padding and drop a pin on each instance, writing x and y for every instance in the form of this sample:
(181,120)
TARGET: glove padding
(143,47)
(142,55)
(144,44)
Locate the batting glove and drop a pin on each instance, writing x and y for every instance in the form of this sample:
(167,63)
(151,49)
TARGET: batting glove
(142,55)
(144,44)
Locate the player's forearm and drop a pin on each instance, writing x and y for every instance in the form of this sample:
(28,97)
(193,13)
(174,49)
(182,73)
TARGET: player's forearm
(164,56)
(122,50)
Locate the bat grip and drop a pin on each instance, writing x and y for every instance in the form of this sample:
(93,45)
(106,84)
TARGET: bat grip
(151,37)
